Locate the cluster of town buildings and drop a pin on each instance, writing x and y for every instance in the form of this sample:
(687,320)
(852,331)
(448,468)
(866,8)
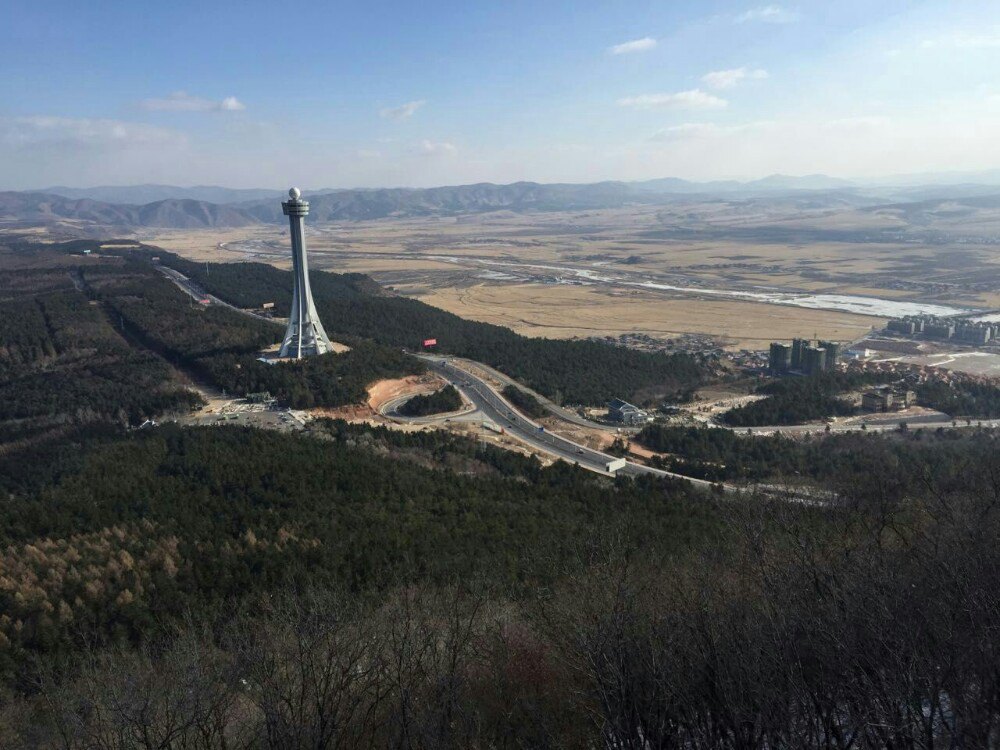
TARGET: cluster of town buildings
(900,394)
(803,357)
(700,344)
(944,329)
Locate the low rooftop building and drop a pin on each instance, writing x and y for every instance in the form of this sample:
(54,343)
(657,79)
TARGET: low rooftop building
(887,398)
(626,413)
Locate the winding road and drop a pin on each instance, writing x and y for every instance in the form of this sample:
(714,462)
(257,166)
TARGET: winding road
(491,405)
(498,410)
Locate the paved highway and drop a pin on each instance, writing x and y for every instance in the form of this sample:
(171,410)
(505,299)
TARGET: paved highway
(189,287)
(876,424)
(491,404)
(391,409)
(566,415)
(873,423)
(194,290)
(497,409)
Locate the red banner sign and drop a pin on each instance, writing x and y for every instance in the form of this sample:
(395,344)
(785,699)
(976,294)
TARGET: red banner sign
(430,342)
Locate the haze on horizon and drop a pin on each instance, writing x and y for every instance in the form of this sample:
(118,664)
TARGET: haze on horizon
(403,94)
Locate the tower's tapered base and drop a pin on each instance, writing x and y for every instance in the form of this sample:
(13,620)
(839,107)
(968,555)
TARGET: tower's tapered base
(304,336)
(313,339)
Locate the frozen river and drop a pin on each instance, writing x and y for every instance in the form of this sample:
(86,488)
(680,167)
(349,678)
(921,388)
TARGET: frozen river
(874,306)
(598,274)
(882,308)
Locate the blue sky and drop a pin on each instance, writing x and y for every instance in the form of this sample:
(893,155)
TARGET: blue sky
(406,93)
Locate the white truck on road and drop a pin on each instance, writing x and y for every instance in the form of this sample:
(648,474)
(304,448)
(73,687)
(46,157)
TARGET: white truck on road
(612,466)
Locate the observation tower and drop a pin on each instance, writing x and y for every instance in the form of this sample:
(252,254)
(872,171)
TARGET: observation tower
(305,335)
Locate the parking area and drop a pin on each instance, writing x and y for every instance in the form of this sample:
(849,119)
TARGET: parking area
(265,415)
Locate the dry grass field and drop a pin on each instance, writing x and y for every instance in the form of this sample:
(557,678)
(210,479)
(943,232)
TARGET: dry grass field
(569,312)
(581,273)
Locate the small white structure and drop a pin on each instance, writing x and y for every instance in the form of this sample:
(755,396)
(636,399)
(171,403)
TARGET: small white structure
(612,466)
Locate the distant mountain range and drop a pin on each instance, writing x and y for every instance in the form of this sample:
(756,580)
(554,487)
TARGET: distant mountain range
(165,206)
(339,205)
(775,182)
(40,208)
(142,194)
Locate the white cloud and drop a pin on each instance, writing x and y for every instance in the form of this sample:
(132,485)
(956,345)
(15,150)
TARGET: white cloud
(693,99)
(859,146)
(701,131)
(40,150)
(430,148)
(781,130)
(42,130)
(768,14)
(181,101)
(964,40)
(232,104)
(403,111)
(862,122)
(727,79)
(636,45)
(687,130)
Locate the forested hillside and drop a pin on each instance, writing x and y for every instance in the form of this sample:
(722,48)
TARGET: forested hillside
(524,401)
(85,343)
(962,398)
(795,400)
(352,305)
(444,400)
(223,345)
(856,462)
(227,587)
(506,605)
(172,521)
(63,364)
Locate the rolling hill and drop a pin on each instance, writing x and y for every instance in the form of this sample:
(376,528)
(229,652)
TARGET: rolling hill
(42,208)
(142,194)
(810,191)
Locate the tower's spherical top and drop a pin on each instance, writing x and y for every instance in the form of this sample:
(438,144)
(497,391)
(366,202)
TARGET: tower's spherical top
(294,194)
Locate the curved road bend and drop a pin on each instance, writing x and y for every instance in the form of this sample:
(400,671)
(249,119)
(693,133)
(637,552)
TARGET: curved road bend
(875,423)
(495,407)
(566,415)
(503,414)
(391,408)
(194,290)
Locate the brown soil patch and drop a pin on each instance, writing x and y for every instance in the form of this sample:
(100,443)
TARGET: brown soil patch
(638,450)
(351,413)
(595,439)
(386,390)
